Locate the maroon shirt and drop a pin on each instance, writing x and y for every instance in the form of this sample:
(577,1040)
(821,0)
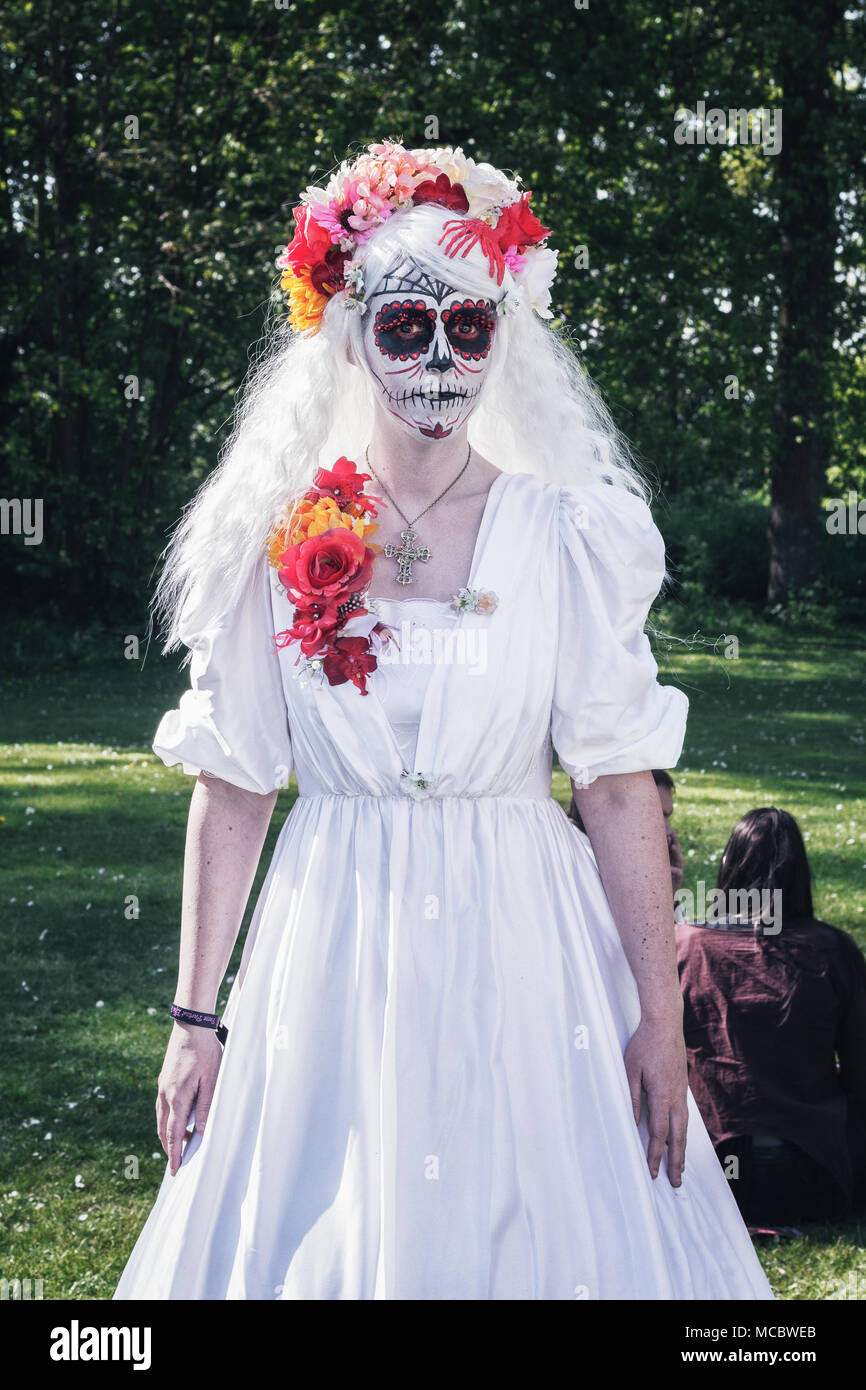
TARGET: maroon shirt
(753,1072)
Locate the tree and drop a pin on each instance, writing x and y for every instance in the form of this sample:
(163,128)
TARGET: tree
(808,184)
(152,155)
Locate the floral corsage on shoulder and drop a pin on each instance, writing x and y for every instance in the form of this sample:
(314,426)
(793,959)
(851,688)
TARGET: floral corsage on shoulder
(324,561)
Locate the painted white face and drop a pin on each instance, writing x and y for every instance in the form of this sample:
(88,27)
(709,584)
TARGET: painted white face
(427,348)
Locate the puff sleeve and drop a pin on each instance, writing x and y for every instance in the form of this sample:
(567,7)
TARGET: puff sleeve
(233,722)
(610,714)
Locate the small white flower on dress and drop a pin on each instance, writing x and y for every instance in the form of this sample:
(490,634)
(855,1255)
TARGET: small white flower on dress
(310,671)
(474,601)
(416,784)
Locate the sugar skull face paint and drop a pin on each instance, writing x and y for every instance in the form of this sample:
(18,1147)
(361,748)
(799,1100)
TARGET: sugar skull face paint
(427,349)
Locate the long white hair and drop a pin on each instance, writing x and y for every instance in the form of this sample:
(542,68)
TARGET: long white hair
(303,404)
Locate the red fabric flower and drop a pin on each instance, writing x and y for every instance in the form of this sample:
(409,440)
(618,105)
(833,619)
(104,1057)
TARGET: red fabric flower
(310,241)
(519,227)
(313,627)
(327,574)
(442,191)
(349,659)
(327,275)
(344,483)
(327,567)
(311,246)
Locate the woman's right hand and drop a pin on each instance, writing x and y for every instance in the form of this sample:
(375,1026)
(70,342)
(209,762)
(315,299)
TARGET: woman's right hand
(187,1080)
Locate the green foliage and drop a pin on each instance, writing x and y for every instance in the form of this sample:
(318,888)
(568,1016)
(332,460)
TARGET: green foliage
(147,256)
(716,543)
(716,540)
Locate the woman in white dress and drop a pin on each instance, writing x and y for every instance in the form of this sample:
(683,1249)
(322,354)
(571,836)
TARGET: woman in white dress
(454,1065)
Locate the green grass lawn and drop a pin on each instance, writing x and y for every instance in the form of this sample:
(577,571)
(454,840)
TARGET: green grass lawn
(92,820)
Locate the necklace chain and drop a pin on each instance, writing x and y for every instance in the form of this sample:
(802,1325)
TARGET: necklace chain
(409,523)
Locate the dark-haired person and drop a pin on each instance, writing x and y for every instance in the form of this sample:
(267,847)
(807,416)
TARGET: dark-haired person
(775,1028)
(666,788)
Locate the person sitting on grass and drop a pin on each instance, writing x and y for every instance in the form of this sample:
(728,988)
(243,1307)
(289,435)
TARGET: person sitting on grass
(775,1029)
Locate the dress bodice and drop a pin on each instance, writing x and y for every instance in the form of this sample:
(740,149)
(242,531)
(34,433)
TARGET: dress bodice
(421,629)
(470,704)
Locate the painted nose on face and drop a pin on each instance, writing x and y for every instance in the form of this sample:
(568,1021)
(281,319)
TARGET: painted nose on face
(441,356)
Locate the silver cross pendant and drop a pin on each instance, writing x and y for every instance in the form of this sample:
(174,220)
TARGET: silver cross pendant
(406,555)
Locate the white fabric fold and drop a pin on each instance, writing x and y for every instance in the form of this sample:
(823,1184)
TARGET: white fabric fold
(610,715)
(232,723)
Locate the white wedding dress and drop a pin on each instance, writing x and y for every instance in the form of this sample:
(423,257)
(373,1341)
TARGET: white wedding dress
(422,1095)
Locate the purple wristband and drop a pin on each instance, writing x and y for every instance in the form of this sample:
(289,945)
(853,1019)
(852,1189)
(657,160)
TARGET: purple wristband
(201,1021)
(193,1016)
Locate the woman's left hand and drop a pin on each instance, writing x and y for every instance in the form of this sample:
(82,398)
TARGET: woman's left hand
(655,1060)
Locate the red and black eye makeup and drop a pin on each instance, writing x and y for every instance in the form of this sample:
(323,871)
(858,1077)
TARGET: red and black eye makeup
(404,329)
(469,327)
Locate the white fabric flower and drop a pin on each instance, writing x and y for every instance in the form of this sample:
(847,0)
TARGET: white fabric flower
(418,785)
(537,277)
(312,195)
(310,671)
(510,302)
(482,601)
(353,294)
(448,160)
(334,186)
(488,188)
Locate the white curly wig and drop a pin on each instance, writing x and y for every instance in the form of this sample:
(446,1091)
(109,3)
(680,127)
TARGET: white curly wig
(304,404)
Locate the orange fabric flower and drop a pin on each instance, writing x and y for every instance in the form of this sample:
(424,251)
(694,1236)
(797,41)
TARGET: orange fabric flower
(306,303)
(314,519)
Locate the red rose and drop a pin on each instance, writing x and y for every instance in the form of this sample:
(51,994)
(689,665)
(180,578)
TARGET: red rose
(442,191)
(518,226)
(349,659)
(330,566)
(344,483)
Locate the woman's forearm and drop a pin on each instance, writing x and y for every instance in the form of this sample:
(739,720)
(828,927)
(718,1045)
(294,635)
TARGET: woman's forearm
(225,833)
(624,821)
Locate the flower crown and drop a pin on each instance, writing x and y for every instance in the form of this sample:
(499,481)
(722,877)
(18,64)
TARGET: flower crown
(325,256)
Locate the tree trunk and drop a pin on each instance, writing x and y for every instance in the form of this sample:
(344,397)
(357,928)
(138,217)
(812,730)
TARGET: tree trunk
(807,233)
